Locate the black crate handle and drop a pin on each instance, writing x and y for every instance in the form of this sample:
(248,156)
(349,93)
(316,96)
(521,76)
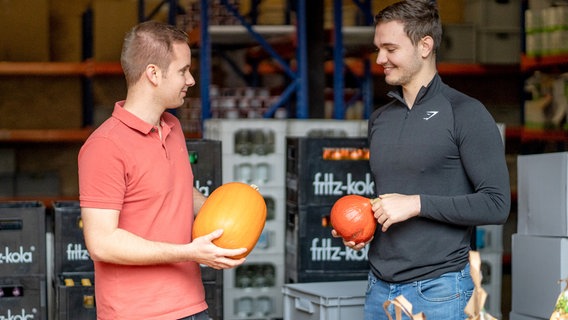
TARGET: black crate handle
(12,224)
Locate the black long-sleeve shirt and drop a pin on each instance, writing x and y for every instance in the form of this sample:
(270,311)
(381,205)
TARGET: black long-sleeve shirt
(446,148)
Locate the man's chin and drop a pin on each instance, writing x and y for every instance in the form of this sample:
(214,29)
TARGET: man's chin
(392,82)
(175,106)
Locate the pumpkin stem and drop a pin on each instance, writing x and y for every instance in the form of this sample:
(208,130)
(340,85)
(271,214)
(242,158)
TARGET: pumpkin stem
(254,186)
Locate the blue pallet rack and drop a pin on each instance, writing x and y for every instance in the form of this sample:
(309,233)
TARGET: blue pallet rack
(298,78)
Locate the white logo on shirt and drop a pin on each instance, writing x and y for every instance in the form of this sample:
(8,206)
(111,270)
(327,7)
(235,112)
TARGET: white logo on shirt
(430,114)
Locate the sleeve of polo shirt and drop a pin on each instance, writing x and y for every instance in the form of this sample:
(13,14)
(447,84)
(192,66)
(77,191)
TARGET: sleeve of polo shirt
(102,174)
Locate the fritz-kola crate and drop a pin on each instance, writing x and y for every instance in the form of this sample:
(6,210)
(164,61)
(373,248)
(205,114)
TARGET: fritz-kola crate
(313,255)
(76,296)
(324,300)
(205,159)
(22,238)
(318,172)
(70,251)
(321,170)
(23,297)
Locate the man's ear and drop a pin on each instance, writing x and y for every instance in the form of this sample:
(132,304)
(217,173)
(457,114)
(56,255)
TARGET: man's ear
(426,46)
(152,73)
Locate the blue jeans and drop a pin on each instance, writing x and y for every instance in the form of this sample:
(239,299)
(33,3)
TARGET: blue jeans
(443,297)
(203,315)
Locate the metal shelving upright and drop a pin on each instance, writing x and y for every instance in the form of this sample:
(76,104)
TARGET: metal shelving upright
(299,76)
(366,81)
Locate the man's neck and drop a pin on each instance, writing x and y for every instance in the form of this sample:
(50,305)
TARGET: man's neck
(411,90)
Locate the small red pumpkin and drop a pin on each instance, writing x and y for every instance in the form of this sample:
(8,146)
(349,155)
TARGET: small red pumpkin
(352,218)
(237,208)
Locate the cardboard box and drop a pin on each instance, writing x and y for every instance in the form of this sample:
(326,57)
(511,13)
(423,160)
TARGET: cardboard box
(24,30)
(542,194)
(7,184)
(7,161)
(538,263)
(37,184)
(49,102)
(498,47)
(113,19)
(494,13)
(458,43)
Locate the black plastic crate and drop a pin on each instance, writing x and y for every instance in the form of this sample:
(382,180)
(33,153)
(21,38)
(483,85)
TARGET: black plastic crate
(205,159)
(321,170)
(213,283)
(313,255)
(23,297)
(75,296)
(22,238)
(214,298)
(70,252)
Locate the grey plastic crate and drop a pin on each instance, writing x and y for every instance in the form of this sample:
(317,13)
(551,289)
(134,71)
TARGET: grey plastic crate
(324,300)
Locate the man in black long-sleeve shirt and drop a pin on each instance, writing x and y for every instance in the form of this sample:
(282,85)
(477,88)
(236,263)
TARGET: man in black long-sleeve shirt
(439,167)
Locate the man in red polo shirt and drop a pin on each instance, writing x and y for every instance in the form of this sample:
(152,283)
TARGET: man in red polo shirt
(136,194)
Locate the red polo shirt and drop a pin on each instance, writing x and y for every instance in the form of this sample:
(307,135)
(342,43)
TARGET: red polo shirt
(124,165)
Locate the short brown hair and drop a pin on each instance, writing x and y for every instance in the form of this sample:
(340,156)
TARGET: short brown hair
(149,42)
(420,19)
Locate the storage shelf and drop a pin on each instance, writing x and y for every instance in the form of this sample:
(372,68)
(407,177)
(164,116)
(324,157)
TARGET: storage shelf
(534,63)
(44,135)
(529,134)
(356,66)
(114,68)
(87,68)
(238,34)
(454,69)
(47,201)
(55,135)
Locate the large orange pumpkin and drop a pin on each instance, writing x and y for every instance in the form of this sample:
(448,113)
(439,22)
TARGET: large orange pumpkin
(352,217)
(237,208)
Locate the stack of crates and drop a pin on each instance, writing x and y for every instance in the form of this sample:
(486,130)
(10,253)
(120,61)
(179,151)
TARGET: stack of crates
(319,171)
(205,160)
(254,152)
(23,261)
(540,246)
(497,27)
(73,270)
